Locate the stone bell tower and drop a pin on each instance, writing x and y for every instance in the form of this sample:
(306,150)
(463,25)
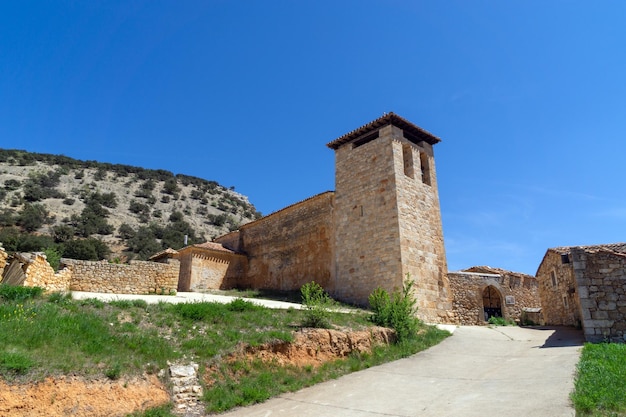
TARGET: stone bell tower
(387,220)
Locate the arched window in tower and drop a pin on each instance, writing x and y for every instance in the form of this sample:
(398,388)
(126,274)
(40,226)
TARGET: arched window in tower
(425,164)
(407,156)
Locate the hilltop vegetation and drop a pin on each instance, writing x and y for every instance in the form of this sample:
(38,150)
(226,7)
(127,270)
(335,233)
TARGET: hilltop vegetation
(96,210)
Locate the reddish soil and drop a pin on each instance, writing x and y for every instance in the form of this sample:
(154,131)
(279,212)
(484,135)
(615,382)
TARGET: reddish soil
(72,396)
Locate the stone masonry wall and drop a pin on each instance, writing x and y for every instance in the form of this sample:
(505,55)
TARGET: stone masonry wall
(367,234)
(467,291)
(557,291)
(421,233)
(39,273)
(601,279)
(138,277)
(210,270)
(288,248)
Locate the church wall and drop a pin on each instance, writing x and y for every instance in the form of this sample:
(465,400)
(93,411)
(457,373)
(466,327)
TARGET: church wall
(290,247)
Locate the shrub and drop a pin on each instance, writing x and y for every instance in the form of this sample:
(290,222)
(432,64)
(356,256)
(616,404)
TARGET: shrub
(500,321)
(316,303)
(19,293)
(396,310)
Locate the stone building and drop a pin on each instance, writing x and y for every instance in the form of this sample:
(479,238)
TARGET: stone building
(586,286)
(380,225)
(482,292)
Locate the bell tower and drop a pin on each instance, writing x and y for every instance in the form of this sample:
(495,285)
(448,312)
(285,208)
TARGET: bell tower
(387,220)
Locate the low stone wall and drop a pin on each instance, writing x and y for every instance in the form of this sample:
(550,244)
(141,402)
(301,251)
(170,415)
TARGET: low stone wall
(517,291)
(39,273)
(138,277)
(601,279)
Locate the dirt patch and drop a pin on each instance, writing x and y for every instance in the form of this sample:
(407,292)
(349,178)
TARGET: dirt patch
(316,346)
(73,396)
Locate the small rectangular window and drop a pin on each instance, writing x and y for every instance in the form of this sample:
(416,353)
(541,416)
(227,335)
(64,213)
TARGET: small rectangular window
(565,258)
(364,139)
(553,277)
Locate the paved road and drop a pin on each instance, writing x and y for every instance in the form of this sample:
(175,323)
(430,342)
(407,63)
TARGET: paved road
(479,371)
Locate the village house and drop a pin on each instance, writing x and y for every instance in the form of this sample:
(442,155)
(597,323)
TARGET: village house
(585,286)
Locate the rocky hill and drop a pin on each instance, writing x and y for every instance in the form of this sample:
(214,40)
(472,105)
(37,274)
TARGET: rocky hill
(135,211)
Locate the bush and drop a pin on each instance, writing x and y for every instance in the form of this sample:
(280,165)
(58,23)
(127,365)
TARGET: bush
(19,293)
(396,310)
(316,304)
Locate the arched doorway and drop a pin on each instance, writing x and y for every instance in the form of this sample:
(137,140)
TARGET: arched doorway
(492,302)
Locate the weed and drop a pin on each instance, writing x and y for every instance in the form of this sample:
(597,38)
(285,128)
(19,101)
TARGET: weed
(15,363)
(396,310)
(500,321)
(19,293)
(239,304)
(114,372)
(316,304)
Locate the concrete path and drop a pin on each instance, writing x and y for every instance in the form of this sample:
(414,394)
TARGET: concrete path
(479,371)
(181,297)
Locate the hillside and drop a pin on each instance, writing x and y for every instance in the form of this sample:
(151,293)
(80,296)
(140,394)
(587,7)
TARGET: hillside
(135,211)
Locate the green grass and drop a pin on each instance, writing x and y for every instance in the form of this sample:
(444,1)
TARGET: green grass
(53,335)
(600,386)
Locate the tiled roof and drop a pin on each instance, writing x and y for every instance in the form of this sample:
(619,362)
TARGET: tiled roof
(387,119)
(163,253)
(492,270)
(212,246)
(615,247)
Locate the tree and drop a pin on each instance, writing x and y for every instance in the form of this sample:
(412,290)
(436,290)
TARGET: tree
(32,217)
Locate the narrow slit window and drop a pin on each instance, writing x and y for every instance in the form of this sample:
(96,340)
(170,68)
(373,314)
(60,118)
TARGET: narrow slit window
(553,278)
(425,165)
(407,156)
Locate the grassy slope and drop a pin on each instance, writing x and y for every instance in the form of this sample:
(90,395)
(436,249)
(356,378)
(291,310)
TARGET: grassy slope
(55,335)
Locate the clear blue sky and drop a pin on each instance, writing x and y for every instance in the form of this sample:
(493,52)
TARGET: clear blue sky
(529,98)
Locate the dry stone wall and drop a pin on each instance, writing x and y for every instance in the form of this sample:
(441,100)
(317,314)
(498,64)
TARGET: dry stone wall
(138,277)
(39,273)
(601,279)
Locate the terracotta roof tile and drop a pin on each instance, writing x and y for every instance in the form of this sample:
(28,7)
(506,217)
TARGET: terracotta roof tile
(411,130)
(615,247)
(212,246)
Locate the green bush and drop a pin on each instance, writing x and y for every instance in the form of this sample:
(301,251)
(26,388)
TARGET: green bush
(397,310)
(19,293)
(316,304)
(500,321)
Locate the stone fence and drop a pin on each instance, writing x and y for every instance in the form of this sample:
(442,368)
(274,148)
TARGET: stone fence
(138,277)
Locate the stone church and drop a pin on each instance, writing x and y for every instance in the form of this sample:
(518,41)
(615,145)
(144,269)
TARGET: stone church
(381,224)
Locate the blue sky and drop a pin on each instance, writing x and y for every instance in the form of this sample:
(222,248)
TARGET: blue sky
(528,97)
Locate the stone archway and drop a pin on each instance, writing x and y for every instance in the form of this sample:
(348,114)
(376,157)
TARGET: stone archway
(492,302)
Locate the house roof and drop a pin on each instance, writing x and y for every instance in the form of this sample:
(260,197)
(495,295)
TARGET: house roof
(412,132)
(169,252)
(211,246)
(492,270)
(615,247)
